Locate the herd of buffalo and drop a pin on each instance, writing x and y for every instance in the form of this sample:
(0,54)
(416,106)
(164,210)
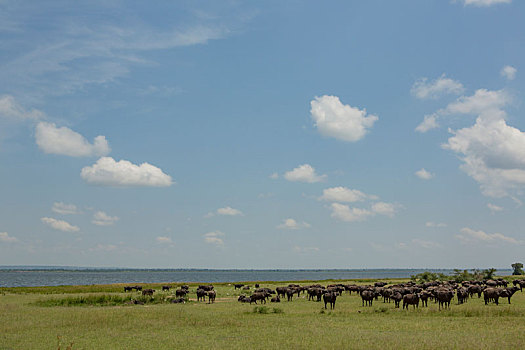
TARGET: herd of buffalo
(409,293)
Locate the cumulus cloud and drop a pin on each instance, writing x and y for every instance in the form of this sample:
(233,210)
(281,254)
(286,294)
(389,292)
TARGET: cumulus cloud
(274,176)
(345,213)
(483,101)
(65,209)
(164,240)
(10,108)
(429,122)
(229,211)
(485,3)
(435,224)
(343,122)
(107,172)
(343,195)
(64,141)
(60,225)
(214,238)
(494,208)
(424,89)
(493,154)
(4,237)
(292,224)
(423,174)
(102,219)
(304,173)
(469,235)
(383,208)
(508,72)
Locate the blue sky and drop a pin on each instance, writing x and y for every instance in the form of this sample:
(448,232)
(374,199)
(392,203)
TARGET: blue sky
(297,134)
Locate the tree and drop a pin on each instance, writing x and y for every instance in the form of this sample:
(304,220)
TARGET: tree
(488,274)
(518,269)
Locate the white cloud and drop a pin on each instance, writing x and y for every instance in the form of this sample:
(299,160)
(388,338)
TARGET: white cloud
(9,108)
(274,176)
(342,195)
(304,173)
(292,224)
(164,240)
(429,122)
(469,236)
(60,225)
(229,211)
(67,142)
(425,244)
(494,208)
(383,208)
(102,219)
(345,213)
(343,122)
(435,224)
(298,249)
(423,174)
(485,3)
(493,154)
(104,248)
(214,238)
(481,102)
(424,89)
(107,172)
(4,237)
(65,209)
(509,72)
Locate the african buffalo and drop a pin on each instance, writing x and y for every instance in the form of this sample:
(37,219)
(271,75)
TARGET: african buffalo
(166,288)
(444,296)
(178,301)
(148,292)
(410,299)
(181,292)
(329,297)
(275,299)
(258,296)
(128,289)
(397,297)
(211,296)
(201,294)
(367,296)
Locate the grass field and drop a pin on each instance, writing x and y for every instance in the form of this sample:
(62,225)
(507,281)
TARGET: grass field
(26,322)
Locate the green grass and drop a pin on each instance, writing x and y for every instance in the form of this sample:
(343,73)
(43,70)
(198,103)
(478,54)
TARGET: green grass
(34,320)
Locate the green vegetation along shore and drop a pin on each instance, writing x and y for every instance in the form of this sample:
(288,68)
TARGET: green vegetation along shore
(104,317)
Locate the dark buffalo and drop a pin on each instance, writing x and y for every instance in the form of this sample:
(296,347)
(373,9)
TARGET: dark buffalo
(201,295)
(462,294)
(181,292)
(178,301)
(329,297)
(367,297)
(128,289)
(148,292)
(238,286)
(410,299)
(397,297)
(444,296)
(166,288)
(275,299)
(206,288)
(244,299)
(258,296)
(211,296)
(137,288)
(289,293)
(508,292)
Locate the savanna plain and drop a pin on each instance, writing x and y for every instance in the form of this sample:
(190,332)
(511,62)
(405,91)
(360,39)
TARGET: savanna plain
(103,317)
